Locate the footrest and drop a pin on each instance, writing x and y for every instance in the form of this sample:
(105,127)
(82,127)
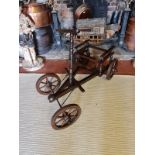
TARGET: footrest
(79,85)
(81,88)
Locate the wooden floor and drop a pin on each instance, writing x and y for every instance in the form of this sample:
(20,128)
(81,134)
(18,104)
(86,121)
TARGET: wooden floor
(125,67)
(105,126)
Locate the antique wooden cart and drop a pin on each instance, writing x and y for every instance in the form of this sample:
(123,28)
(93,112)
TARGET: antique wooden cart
(81,57)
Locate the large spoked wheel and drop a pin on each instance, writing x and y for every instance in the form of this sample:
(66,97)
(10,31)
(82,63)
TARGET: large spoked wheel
(65,116)
(111,69)
(48,83)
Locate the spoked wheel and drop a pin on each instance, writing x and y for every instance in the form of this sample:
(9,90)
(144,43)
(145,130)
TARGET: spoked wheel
(65,116)
(48,83)
(111,69)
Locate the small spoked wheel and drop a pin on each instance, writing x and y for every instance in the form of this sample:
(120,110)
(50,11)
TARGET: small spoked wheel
(111,69)
(48,83)
(65,116)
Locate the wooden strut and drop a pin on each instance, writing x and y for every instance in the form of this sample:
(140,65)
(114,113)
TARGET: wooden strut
(66,87)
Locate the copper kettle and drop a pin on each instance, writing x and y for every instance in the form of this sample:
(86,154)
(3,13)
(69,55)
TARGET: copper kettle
(83,11)
(39,13)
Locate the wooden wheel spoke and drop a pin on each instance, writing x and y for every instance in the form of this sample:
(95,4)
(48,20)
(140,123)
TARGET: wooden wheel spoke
(59,120)
(43,82)
(53,85)
(54,81)
(43,86)
(63,123)
(73,114)
(60,116)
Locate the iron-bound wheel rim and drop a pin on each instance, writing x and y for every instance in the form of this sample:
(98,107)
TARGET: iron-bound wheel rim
(111,69)
(65,116)
(48,83)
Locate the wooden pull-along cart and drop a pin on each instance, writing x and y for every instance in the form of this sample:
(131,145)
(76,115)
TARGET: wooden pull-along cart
(80,57)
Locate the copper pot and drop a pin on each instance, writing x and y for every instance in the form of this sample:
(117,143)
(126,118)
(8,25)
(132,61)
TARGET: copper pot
(36,7)
(83,12)
(40,14)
